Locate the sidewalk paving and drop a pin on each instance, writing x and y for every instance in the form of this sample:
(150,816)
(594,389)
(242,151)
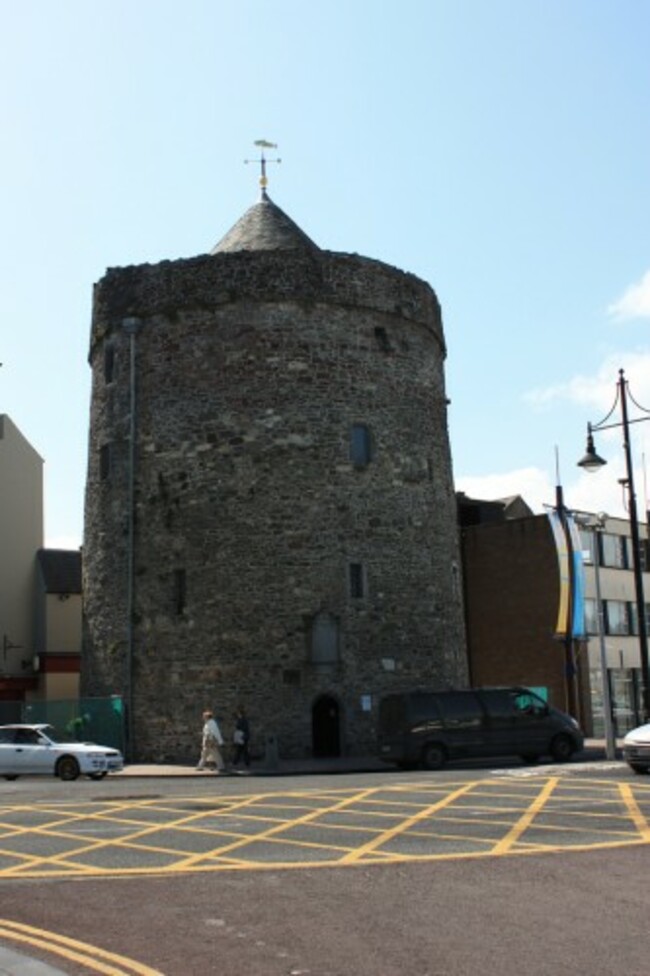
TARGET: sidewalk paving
(594,750)
(14,963)
(284,767)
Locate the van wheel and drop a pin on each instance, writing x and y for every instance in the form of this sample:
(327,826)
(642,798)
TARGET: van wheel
(635,767)
(11,776)
(561,748)
(530,758)
(434,756)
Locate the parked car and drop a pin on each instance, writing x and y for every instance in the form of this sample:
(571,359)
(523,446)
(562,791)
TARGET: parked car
(32,749)
(636,749)
(429,727)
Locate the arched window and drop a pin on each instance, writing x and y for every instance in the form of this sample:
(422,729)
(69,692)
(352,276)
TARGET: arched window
(324,639)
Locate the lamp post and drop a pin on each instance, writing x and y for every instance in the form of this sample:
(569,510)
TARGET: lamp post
(596,524)
(592,462)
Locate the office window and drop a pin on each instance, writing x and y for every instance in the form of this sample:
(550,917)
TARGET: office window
(645,555)
(360,445)
(617,619)
(613,551)
(586,544)
(591,616)
(634,618)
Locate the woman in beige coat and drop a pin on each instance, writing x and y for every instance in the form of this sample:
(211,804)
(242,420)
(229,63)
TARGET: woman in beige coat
(211,757)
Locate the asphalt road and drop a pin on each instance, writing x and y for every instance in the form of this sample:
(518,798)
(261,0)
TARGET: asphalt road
(435,874)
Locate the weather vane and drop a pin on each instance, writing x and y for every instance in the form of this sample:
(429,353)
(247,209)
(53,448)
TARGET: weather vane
(263,144)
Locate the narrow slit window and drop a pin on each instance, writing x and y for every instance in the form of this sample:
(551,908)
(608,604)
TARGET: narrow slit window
(381,338)
(360,445)
(356,581)
(105,462)
(180,591)
(109,363)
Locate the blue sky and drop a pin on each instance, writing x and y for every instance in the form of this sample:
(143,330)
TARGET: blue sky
(500,150)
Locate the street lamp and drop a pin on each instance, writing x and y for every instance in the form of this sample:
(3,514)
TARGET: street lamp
(596,524)
(593,462)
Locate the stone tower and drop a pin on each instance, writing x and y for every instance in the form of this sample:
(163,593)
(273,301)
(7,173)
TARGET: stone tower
(270,515)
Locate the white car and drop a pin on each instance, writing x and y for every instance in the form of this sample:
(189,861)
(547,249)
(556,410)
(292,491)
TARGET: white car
(636,749)
(32,749)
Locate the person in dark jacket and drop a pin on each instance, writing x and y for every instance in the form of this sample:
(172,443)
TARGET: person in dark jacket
(240,738)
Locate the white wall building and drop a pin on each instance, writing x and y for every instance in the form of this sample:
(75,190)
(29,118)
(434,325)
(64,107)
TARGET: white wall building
(40,589)
(21,535)
(620,621)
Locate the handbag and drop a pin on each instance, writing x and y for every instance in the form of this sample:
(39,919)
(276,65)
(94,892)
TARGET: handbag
(238,737)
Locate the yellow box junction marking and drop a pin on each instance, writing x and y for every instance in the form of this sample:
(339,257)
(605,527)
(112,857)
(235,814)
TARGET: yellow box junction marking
(638,819)
(524,822)
(418,821)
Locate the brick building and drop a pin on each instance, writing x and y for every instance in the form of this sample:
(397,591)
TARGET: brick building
(511,597)
(512,592)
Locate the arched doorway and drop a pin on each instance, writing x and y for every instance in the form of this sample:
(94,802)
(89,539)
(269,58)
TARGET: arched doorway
(325,727)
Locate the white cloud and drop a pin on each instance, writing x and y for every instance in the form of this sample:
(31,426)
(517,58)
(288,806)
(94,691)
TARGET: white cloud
(583,491)
(531,483)
(634,303)
(598,392)
(62,542)
(580,398)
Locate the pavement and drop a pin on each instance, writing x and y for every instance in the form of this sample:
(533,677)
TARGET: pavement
(18,964)
(594,750)
(13,963)
(281,767)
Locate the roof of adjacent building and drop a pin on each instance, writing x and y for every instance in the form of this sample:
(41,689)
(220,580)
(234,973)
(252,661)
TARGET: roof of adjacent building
(264,227)
(60,570)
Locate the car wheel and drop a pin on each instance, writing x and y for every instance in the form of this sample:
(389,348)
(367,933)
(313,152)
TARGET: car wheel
(97,775)
(561,748)
(636,767)
(530,758)
(67,768)
(11,776)
(434,756)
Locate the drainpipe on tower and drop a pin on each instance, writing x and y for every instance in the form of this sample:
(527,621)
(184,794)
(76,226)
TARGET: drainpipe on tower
(131,327)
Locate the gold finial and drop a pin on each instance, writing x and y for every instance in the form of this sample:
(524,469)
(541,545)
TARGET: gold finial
(263,144)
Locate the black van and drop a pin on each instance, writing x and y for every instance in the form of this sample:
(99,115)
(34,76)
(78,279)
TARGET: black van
(430,727)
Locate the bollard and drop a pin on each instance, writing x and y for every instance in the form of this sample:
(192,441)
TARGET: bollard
(271,758)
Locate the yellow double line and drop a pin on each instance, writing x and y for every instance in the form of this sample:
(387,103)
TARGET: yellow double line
(97,960)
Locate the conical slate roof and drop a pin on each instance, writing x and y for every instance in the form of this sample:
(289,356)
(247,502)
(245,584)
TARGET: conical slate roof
(264,227)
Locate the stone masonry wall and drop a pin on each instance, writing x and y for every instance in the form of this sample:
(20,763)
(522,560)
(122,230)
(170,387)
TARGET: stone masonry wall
(251,370)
